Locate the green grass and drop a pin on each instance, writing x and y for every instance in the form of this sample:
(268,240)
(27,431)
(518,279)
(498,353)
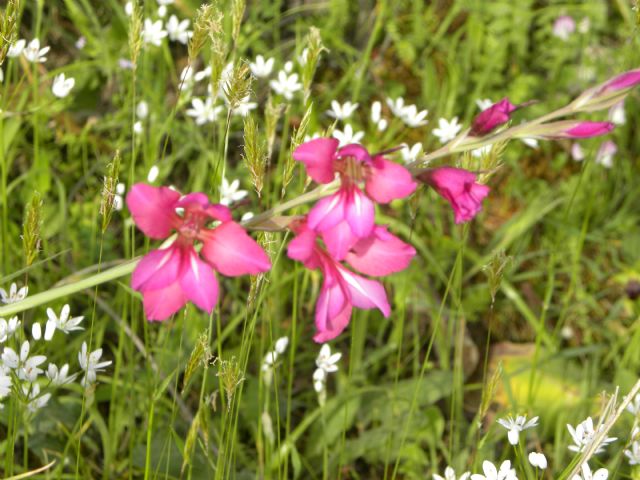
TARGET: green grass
(186,398)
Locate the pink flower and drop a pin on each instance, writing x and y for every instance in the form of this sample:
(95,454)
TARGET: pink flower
(459,187)
(624,80)
(605,154)
(494,116)
(563,27)
(348,215)
(587,129)
(380,254)
(168,278)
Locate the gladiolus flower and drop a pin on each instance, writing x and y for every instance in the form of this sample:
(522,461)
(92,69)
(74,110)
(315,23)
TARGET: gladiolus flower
(380,254)
(588,129)
(492,117)
(348,215)
(459,188)
(624,80)
(168,278)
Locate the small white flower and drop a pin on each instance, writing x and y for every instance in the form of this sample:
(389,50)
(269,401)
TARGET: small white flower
(341,112)
(14,294)
(327,361)
(583,435)
(447,130)
(90,364)
(202,74)
(411,154)
(142,109)
(17,48)
(632,453)
(303,57)
(530,142)
(36,401)
(479,152)
(382,125)
(153,174)
(634,406)
(414,118)
(186,77)
(538,460)
(281,345)
(246,217)
(153,32)
(138,128)
(125,64)
(26,367)
(34,54)
(59,376)
(244,107)
(162,11)
(576,152)
(165,2)
(178,30)
(319,378)
(5,384)
(347,136)
(62,323)
(128,8)
(491,473)
(230,192)
(62,86)
(601,474)
(288,66)
(118,202)
(261,68)
(81,43)
(204,112)
(450,474)
(36,331)
(605,154)
(584,25)
(484,103)
(286,85)
(397,106)
(517,425)
(376,111)
(8,329)
(617,114)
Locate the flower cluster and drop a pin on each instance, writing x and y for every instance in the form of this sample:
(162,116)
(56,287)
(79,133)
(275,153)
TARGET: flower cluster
(271,358)
(341,227)
(326,363)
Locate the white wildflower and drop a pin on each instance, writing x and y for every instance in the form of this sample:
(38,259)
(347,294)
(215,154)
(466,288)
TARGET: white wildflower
(414,118)
(5,384)
(288,67)
(26,367)
(128,8)
(479,152)
(600,474)
(341,112)
(583,435)
(204,111)
(347,136)
(62,86)
(118,201)
(81,43)
(36,401)
(584,25)
(281,345)
(303,57)
(59,376)
(450,474)
(153,32)
(261,68)
(178,30)
(576,152)
(411,154)
(617,114)
(202,74)
(492,473)
(244,107)
(17,48)
(286,85)
(34,53)
(165,2)
(397,106)
(605,154)
(538,460)
(153,174)
(142,109)
(230,192)
(447,130)
(162,11)
(530,142)
(246,217)
(8,329)
(327,361)
(90,364)
(63,323)
(14,294)
(517,425)
(634,406)
(138,128)
(484,103)
(632,453)
(563,27)
(36,331)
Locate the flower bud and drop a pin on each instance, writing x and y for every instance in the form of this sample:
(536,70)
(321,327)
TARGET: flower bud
(494,116)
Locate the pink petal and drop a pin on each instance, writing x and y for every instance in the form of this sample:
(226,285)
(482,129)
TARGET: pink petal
(588,129)
(380,254)
(339,239)
(333,309)
(302,248)
(153,209)
(317,155)
(199,202)
(359,213)
(328,212)
(365,293)
(388,181)
(161,304)
(624,80)
(356,151)
(157,269)
(494,116)
(199,283)
(232,252)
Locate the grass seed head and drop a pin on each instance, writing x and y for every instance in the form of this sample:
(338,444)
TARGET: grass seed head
(31,229)
(107,204)
(254,155)
(8,27)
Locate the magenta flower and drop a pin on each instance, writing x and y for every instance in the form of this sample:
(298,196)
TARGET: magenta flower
(492,117)
(459,188)
(624,80)
(563,27)
(380,254)
(169,278)
(348,215)
(587,129)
